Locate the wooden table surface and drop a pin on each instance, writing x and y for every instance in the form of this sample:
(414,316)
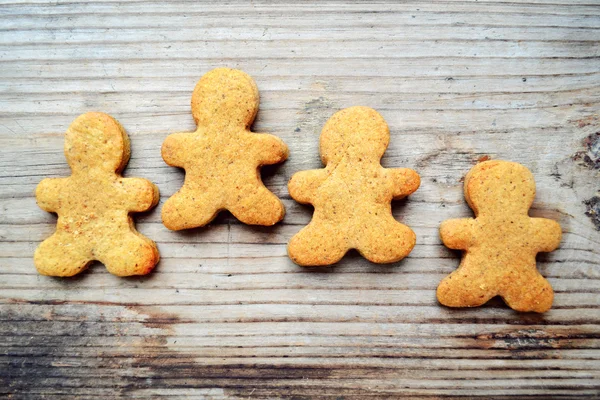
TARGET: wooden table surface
(226,314)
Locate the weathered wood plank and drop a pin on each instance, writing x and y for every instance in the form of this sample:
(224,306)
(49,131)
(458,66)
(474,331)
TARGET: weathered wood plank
(226,314)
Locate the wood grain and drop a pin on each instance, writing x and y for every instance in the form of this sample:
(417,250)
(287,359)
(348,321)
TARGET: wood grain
(227,315)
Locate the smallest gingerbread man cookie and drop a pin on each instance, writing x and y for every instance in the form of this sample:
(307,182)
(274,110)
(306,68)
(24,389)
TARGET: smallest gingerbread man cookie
(501,243)
(222,158)
(352,195)
(93,205)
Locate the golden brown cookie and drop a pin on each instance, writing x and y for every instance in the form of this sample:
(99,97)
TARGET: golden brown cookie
(94,203)
(501,243)
(352,195)
(222,158)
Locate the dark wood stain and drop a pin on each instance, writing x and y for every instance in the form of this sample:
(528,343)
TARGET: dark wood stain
(592,210)
(589,157)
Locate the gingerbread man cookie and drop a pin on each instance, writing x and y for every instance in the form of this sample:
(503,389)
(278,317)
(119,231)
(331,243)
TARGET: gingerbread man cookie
(222,158)
(500,243)
(93,205)
(352,195)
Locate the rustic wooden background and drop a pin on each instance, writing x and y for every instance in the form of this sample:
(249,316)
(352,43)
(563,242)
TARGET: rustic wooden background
(226,314)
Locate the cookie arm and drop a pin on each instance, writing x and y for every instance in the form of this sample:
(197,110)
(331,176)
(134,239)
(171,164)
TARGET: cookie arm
(140,194)
(457,234)
(47,193)
(546,234)
(175,147)
(405,181)
(270,149)
(303,185)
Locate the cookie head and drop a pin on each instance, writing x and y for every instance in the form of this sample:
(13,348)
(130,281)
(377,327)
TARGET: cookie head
(357,133)
(499,185)
(225,96)
(96,141)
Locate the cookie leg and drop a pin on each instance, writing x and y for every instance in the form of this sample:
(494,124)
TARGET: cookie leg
(61,255)
(461,289)
(260,207)
(530,292)
(187,209)
(317,245)
(128,254)
(387,242)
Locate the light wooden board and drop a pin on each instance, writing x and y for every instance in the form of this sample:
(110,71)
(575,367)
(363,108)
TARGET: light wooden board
(226,314)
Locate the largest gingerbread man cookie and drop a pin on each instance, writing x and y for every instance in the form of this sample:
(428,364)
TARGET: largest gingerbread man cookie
(94,203)
(352,195)
(222,158)
(500,243)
